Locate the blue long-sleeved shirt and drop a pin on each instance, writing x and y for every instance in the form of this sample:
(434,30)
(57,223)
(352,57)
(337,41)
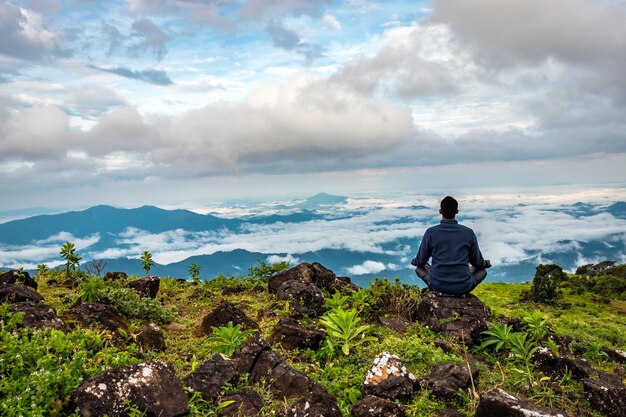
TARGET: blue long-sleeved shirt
(452,246)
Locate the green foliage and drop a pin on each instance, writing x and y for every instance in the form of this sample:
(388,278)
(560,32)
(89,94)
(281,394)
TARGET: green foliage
(228,338)
(396,299)
(535,325)
(263,271)
(498,336)
(595,269)
(360,300)
(42,270)
(604,279)
(72,259)
(194,271)
(595,353)
(146,262)
(135,307)
(343,330)
(545,284)
(90,289)
(523,348)
(337,301)
(39,370)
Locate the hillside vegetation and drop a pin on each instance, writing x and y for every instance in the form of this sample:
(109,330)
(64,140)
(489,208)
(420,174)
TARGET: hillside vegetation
(583,315)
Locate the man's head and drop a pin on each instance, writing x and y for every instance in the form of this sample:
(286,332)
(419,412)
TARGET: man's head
(449,208)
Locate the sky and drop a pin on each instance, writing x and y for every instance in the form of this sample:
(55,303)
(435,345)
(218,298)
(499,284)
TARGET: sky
(187,101)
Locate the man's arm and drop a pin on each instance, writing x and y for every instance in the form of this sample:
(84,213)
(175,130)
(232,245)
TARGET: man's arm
(475,257)
(424,252)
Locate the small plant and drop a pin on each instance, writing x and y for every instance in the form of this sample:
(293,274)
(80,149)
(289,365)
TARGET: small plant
(263,271)
(595,353)
(68,252)
(337,301)
(523,348)
(90,289)
(42,270)
(536,326)
(498,336)
(147,262)
(343,329)
(360,300)
(228,338)
(194,271)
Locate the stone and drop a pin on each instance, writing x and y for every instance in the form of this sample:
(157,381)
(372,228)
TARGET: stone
(618,356)
(446,379)
(211,376)
(388,378)
(398,324)
(146,287)
(115,276)
(247,403)
(224,313)
(557,366)
(305,298)
(607,395)
(345,285)
(247,354)
(315,405)
(372,406)
(38,316)
(15,293)
(15,276)
(292,335)
(446,412)
(463,317)
(98,314)
(305,272)
(152,387)
(151,337)
(500,403)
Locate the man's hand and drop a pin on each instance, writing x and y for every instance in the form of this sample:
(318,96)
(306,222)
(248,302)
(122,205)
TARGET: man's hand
(488,263)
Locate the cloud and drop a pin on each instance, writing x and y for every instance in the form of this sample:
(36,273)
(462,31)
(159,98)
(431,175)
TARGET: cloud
(262,9)
(332,22)
(152,38)
(287,39)
(155,77)
(24,35)
(274,259)
(368,267)
(44,251)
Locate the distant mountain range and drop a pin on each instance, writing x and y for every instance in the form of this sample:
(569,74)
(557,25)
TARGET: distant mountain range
(109,228)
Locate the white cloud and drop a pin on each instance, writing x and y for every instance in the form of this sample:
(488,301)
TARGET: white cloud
(368,267)
(332,22)
(274,259)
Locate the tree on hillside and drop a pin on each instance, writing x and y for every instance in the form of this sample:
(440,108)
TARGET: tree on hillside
(147,262)
(194,271)
(545,284)
(68,252)
(42,270)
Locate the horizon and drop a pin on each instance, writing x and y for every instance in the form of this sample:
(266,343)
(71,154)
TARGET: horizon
(134,102)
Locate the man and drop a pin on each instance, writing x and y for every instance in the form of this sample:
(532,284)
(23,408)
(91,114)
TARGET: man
(453,248)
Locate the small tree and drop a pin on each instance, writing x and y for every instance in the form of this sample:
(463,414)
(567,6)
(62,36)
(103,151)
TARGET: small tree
(42,270)
(147,262)
(68,252)
(194,271)
(545,284)
(96,267)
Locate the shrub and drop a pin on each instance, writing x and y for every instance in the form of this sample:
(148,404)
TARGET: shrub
(343,329)
(135,307)
(263,271)
(397,298)
(228,338)
(545,284)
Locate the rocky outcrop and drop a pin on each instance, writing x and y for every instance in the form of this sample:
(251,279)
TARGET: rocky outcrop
(314,273)
(221,315)
(388,378)
(148,288)
(16,276)
(305,298)
(292,335)
(246,403)
(315,405)
(15,293)
(99,315)
(151,387)
(38,316)
(463,317)
(502,404)
(607,395)
(446,379)
(151,337)
(372,406)
(211,376)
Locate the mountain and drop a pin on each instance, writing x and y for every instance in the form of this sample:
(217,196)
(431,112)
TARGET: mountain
(108,220)
(618,210)
(322,200)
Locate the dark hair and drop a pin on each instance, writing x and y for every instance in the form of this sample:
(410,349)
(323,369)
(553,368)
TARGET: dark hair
(449,207)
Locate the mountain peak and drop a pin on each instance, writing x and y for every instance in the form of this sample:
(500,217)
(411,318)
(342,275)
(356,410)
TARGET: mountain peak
(322,199)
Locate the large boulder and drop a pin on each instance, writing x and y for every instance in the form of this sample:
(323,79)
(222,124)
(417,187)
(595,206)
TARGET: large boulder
(99,315)
(446,379)
(146,287)
(315,405)
(151,387)
(15,276)
(211,376)
(499,403)
(607,395)
(247,354)
(293,335)
(388,378)
(314,273)
(15,293)
(305,298)
(246,403)
(463,317)
(221,315)
(38,316)
(151,337)
(372,406)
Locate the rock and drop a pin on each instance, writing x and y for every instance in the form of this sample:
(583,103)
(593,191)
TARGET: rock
(221,315)
(305,298)
(314,273)
(463,317)
(16,276)
(618,356)
(70,283)
(146,287)
(246,355)
(98,314)
(15,293)
(315,405)
(151,337)
(607,395)
(554,366)
(388,378)
(446,412)
(499,403)
(372,406)
(115,276)
(345,285)
(398,324)
(211,376)
(152,387)
(39,316)
(247,403)
(446,379)
(292,335)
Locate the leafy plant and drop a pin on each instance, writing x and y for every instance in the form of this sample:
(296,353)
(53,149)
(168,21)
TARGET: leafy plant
(263,271)
(90,289)
(228,338)
(545,284)
(194,271)
(337,301)
(498,336)
(135,307)
(42,270)
(68,252)
(595,353)
(397,298)
(536,325)
(343,329)
(360,300)
(523,348)
(146,262)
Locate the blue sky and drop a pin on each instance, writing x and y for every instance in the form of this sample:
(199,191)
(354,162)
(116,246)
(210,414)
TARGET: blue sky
(184,101)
